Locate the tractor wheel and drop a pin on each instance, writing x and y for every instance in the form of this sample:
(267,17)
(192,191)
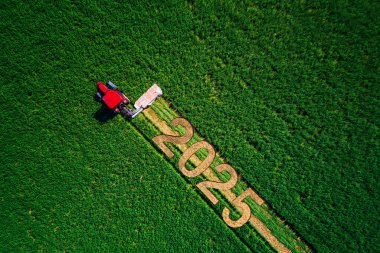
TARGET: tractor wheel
(126,99)
(98,97)
(123,111)
(111,85)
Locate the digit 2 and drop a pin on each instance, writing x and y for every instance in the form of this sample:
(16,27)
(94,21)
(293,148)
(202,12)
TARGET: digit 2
(161,139)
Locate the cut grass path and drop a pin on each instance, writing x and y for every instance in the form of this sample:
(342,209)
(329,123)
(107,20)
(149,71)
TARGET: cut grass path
(295,243)
(259,225)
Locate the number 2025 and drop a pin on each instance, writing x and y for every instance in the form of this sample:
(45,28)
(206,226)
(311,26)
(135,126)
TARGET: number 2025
(204,165)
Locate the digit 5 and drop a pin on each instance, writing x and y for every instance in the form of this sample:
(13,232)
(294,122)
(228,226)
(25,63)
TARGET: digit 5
(243,208)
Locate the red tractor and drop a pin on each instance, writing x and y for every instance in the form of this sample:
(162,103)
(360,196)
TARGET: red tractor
(117,102)
(113,98)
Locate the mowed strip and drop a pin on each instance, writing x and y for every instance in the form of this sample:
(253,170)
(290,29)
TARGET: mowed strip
(264,211)
(259,225)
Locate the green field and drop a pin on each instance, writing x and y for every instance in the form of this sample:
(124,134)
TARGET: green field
(286,91)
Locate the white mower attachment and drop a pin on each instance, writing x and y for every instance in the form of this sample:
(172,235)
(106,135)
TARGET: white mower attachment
(147,99)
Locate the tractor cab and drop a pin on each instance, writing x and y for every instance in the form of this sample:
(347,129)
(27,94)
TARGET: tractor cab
(112,97)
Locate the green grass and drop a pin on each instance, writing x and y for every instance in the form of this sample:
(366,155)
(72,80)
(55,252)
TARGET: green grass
(287,92)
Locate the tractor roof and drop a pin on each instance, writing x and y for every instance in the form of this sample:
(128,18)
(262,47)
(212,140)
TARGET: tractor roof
(112,98)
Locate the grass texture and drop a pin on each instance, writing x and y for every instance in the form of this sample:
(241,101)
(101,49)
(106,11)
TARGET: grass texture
(286,91)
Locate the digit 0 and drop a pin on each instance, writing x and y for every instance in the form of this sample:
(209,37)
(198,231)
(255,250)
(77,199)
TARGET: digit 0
(190,152)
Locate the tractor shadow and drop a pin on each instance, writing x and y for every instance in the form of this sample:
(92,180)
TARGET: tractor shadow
(104,114)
